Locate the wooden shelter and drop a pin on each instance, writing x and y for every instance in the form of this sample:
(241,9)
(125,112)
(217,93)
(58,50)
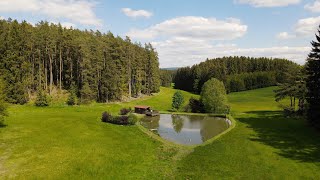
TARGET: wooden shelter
(142,109)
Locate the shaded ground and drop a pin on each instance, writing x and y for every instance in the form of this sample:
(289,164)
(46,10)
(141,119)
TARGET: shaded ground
(290,136)
(263,145)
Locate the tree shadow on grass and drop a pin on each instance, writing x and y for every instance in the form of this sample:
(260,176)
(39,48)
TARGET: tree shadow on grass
(292,136)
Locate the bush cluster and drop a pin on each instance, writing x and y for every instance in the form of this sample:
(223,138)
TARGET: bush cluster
(72,100)
(42,99)
(125,111)
(3,112)
(120,120)
(288,111)
(128,119)
(132,119)
(106,117)
(196,105)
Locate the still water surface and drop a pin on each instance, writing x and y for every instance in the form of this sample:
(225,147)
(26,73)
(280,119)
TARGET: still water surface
(186,129)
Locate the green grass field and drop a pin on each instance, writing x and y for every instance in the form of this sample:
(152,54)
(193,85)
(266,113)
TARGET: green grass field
(61,142)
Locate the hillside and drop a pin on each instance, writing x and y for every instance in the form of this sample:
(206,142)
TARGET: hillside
(70,142)
(263,144)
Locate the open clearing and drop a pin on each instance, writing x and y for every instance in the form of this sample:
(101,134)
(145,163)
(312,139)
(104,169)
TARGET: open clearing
(61,142)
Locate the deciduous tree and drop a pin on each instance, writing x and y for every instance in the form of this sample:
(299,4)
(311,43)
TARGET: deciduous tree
(214,97)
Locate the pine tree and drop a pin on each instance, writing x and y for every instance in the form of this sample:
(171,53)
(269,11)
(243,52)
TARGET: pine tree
(102,67)
(3,106)
(177,100)
(313,83)
(42,99)
(72,99)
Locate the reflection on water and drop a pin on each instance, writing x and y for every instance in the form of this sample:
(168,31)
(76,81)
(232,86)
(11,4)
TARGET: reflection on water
(185,129)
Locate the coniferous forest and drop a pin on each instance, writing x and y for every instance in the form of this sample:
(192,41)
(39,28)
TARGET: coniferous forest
(237,73)
(98,66)
(97,89)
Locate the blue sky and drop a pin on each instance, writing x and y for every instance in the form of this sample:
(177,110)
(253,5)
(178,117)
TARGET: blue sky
(187,32)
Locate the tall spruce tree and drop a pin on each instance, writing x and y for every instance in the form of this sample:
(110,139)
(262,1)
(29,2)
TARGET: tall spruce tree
(102,67)
(313,83)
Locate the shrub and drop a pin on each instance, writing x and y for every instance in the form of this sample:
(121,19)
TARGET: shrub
(287,110)
(214,97)
(86,94)
(187,108)
(132,119)
(196,105)
(72,99)
(106,117)
(16,93)
(120,120)
(177,100)
(3,112)
(3,105)
(42,99)
(125,111)
(2,121)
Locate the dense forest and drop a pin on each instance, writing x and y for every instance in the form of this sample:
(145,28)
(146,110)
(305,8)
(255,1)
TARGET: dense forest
(166,77)
(98,66)
(237,73)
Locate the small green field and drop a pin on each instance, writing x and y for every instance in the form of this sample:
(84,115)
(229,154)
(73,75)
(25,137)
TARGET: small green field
(61,142)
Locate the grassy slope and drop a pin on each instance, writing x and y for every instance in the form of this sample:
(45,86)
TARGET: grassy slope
(264,144)
(161,101)
(64,142)
(71,142)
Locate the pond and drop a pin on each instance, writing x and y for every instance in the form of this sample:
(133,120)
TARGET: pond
(186,129)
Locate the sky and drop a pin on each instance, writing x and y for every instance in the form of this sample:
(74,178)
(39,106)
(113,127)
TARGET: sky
(187,32)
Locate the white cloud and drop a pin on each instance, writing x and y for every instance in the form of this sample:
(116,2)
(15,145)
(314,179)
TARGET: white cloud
(80,11)
(268,3)
(185,41)
(1,18)
(19,5)
(315,7)
(284,35)
(180,52)
(136,13)
(193,28)
(307,26)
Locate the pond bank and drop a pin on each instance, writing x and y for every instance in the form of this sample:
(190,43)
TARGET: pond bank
(172,133)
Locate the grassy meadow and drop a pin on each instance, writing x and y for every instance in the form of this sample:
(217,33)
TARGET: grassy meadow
(61,142)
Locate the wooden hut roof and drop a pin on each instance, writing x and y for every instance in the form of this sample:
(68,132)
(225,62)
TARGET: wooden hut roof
(142,107)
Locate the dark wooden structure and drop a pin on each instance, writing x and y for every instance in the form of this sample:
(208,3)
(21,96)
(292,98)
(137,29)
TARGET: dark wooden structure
(152,113)
(146,110)
(142,109)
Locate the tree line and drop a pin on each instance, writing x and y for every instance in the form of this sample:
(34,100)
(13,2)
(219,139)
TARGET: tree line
(247,72)
(251,80)
(313,83)
(166,77)
(97,66)
(302,87)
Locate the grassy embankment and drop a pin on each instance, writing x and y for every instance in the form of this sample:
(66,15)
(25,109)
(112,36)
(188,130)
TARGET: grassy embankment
(61,142)
(264,144)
